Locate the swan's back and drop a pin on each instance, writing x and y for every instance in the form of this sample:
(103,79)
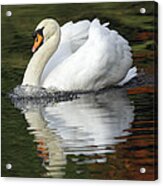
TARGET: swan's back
(102,60)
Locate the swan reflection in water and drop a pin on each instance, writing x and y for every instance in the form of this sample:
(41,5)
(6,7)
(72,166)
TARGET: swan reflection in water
(88,125)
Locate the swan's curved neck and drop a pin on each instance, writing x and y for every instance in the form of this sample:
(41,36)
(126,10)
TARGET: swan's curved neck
(39,59)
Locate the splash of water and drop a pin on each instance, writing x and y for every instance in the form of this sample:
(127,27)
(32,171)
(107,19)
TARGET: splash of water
(35,97)
(27,91)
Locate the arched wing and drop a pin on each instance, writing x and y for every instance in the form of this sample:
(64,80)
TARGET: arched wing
(73,35)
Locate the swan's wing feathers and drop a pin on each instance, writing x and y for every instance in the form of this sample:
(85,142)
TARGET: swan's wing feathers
(99,61)
(117,58)
(76,33)
(106,24)
(73,35)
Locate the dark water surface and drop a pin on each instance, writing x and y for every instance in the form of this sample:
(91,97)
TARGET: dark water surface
(103,135)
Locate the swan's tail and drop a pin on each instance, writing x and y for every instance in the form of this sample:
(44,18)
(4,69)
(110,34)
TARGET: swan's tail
(130,75)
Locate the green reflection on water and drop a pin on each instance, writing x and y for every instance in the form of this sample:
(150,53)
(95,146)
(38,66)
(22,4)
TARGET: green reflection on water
(17,145)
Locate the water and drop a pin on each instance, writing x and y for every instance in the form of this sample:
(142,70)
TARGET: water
(109,134)
(92,136)
(85,126)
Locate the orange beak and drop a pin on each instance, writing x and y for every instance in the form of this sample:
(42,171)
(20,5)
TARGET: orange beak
(37,42)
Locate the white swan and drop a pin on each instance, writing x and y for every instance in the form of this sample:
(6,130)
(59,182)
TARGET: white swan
(81,56)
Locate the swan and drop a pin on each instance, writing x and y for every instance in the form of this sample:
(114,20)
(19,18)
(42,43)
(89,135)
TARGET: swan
(85,55)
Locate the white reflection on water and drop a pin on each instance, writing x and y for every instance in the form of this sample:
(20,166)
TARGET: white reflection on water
(87,125)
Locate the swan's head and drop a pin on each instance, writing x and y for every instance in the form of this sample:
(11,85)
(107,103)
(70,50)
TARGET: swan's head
(44,30)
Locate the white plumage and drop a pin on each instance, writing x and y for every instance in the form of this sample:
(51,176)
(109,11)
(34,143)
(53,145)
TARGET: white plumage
(89,56)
